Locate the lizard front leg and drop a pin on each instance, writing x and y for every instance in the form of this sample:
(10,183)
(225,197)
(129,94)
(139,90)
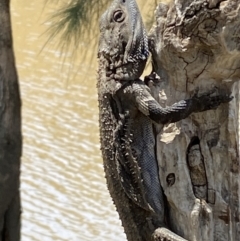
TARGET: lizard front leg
(178,111)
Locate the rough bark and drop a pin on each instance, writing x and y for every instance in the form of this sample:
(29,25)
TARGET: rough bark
(10,133)
(196,43)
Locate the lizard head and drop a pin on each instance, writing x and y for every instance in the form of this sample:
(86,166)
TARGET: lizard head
(123,40)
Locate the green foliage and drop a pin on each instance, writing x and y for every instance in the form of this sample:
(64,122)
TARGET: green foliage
(74,20)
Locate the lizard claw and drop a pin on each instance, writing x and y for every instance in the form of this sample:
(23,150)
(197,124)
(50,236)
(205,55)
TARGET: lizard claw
(208,93)
(195,94)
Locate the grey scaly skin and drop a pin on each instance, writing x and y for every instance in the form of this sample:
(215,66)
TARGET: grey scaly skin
(127,111)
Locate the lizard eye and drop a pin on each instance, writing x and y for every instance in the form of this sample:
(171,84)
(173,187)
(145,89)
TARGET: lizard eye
(118,16)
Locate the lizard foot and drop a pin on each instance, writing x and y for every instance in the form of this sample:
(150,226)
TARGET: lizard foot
(164,234)
(152,78)
(211,99)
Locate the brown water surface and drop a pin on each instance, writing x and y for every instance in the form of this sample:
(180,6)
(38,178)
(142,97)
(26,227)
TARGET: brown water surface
(64,196)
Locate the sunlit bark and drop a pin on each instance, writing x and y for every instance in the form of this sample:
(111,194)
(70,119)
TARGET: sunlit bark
(196,43)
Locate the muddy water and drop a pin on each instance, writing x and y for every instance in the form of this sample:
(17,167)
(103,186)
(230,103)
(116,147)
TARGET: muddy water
(64,196)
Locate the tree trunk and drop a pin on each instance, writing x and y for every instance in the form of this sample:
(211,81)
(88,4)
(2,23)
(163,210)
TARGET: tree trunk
(10,133)
(196,43)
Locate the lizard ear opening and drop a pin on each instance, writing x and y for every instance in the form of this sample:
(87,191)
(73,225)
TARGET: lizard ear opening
(118,16)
